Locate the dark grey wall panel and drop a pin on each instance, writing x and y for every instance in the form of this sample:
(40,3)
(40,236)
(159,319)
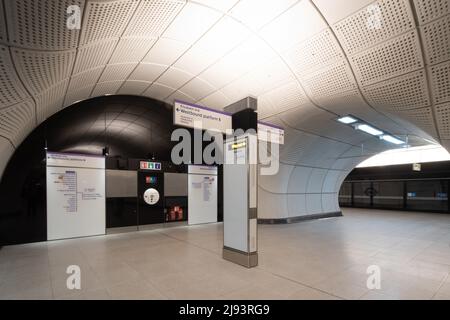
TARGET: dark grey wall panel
(175,184)
(121,184)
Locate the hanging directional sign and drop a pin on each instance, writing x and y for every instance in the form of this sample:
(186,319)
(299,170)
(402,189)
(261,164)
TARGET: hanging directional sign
(198,117)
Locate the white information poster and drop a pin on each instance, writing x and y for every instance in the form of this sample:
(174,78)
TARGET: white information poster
(202,194)
(75,195)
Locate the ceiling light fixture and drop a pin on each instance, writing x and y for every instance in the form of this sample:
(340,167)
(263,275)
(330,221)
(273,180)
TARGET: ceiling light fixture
(392,139)
(368,129)
(347,120)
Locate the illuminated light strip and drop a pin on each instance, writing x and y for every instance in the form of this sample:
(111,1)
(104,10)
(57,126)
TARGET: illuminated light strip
(392,139)
(369,129)
(361,125)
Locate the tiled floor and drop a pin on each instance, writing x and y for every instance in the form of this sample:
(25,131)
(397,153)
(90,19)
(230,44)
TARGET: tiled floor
(322,259)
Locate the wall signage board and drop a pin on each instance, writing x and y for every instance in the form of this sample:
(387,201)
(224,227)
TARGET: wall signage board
(148,165)
(202,194)
(270,133)
(75,195)
(198,117)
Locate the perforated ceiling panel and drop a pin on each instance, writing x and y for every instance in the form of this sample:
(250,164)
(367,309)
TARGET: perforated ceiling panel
(179,95)
(339,79)
(42,24)
(3,36)
(374,24)
(158,91)
(103,88)
(40,70)
(440,77)
(175,77)
(94,55)
(166,51)
(285,53)
(220,74)
(286,97)
(218,100)
(147,72)
(152,17)
(429,10)
(443,120)
(342,103)
(261,11)
(17,121)
(401,93)
(198,88)
(106,19)
(193,21)
(50,101)
(131,49)
(392,58)
(11,89)
(423,118)
(243,87)
(133,87)
(196,60)
(115,72)
(274,74)
(85,79)
(315,53)
(436,36)
(298,24)
(77,96)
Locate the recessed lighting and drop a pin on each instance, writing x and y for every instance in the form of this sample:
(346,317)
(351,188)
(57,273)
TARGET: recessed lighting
(368,129)
(392,139)
(347,120)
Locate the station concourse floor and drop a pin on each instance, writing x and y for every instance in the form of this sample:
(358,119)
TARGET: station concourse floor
(318,259)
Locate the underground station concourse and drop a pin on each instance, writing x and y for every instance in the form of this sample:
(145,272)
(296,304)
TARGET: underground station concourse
(208,149)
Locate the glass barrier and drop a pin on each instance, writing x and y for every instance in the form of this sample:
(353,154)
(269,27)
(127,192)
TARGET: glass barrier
(415,195)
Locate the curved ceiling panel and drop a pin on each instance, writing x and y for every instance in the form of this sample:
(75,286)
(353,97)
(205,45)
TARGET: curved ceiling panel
(17,121)
(43,26)
(11,88)
(308,62)
(3,35)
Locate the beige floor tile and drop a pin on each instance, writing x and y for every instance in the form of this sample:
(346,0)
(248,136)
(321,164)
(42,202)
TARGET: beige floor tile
(322,259)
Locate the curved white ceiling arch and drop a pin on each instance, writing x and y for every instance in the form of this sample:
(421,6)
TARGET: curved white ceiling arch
(308,62)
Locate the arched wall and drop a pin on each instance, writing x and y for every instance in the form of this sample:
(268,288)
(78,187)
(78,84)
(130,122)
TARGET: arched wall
(308,62)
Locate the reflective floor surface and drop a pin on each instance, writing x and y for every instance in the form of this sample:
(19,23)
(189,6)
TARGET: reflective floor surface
(321,259)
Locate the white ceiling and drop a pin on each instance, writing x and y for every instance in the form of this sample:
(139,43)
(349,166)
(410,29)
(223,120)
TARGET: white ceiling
(307,62)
